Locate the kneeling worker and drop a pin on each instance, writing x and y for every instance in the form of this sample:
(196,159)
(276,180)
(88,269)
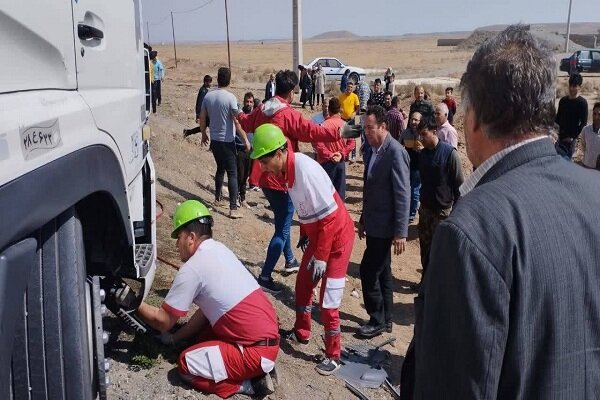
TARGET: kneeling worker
(326,224)
(235,326)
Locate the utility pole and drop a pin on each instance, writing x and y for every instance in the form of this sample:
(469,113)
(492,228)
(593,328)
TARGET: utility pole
(297,33)
(148,32)
(174,47)
(227,28)
(568,28)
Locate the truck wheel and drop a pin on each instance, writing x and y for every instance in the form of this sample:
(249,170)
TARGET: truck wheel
(53,349)
(355,77)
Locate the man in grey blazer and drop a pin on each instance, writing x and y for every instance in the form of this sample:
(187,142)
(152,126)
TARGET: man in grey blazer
(384,219)
(510,305)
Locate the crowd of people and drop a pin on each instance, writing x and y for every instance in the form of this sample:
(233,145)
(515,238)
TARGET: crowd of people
(508,298)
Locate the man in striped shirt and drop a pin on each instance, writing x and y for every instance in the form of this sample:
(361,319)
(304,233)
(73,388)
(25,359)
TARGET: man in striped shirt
(395,120)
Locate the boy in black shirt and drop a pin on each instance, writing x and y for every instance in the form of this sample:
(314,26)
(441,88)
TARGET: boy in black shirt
(572,115)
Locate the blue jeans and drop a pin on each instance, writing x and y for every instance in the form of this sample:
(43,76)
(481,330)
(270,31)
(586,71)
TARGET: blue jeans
(284,211)
(415,188)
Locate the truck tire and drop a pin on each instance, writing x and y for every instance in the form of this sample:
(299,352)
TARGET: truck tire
(52,354)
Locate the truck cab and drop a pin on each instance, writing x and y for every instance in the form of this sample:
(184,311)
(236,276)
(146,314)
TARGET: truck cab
(77,188)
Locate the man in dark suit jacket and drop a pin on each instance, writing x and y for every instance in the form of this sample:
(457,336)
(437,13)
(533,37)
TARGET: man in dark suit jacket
(270,88)
(384,219)
(510,305)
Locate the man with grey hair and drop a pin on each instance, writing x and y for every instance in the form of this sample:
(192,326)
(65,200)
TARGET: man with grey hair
(445,132)
(509,306)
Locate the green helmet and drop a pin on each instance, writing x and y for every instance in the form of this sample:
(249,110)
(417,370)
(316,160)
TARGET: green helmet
(188,211)
(267,138)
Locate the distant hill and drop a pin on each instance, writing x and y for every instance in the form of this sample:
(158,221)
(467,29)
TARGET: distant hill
(580,28)
(552,34)
(335,35)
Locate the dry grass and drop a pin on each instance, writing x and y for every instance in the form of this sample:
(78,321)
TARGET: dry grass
(417,57)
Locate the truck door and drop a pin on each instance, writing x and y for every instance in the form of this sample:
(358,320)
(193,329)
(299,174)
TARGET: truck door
(109,55)
(38,55)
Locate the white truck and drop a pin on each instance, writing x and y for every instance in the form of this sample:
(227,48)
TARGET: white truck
(77,193)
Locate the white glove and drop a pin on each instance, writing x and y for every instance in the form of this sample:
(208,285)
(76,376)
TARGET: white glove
(167,339)
(318,268)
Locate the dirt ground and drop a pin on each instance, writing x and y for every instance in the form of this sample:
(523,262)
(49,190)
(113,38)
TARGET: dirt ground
(141,368)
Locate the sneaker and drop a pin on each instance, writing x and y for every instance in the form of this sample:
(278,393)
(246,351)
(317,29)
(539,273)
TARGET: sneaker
(289,335)
(263,385)
(328,366)
(291,267)
(235,213)
(254,189)
(220,203)
(244,203)
(269,285)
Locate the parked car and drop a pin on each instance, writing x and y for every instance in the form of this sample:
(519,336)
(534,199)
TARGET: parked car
(334,68)
(586,60)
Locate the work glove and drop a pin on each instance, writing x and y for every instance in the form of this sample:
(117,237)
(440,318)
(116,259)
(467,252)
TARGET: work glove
(123,296)
(302,243)
(318,268)
(351,131)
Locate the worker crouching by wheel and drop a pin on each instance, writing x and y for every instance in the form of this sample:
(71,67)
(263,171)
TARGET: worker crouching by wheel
(235,326)
(325,222)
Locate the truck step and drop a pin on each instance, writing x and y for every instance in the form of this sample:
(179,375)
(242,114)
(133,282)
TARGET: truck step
(144,257)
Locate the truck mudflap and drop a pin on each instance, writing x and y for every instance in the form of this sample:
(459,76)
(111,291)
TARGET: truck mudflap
(15,267)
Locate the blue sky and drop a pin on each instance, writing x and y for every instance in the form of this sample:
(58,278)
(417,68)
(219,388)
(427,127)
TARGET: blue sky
(272,19)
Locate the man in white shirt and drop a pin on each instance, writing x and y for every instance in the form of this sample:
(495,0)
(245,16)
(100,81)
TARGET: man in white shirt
(235,328)
(445,132)
(590,140)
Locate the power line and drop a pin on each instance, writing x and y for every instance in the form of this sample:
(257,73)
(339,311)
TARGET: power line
(194,9)
(166,17)
(159,22)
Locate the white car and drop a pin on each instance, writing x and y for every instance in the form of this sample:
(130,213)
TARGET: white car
(334,68)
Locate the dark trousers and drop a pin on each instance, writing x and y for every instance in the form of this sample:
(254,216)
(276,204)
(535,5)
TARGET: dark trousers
(306,96)
(226,159)
(155,94)
(428,221)
(158,91)
(376,279)
(243,171)
(407,374)
(337,174)
(319,96)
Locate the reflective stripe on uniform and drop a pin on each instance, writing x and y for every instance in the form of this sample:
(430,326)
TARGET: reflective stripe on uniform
(320,214)
(334,291)
(206,362)
(333,332)
(303,309)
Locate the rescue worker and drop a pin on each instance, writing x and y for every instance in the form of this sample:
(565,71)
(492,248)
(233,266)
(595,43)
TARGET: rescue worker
(327,227)
(235,326)
(278,111)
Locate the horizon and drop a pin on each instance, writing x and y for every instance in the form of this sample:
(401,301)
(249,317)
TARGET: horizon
(367,37)
(200,21)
